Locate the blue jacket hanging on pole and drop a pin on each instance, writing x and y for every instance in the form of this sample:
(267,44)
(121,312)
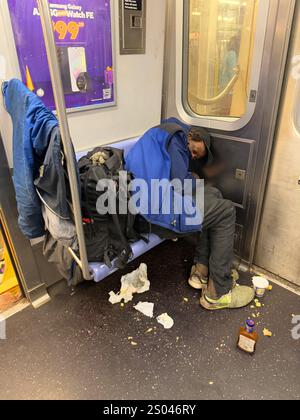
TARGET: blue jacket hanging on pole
(35,136)
(149,160)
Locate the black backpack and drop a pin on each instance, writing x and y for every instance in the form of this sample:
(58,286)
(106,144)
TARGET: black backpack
(107,236)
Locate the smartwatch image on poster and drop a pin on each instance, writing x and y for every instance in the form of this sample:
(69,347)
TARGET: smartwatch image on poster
(77,63)
(73,67)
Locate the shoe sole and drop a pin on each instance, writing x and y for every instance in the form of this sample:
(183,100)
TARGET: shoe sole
(211,307)
(196,285)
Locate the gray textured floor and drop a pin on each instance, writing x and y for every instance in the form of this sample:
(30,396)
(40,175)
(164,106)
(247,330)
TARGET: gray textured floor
(77,346)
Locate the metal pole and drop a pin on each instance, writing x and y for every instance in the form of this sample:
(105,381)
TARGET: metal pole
(64,128)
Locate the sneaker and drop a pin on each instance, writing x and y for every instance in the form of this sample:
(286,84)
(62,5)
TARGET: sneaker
(198,279)
(239,297)
(235,276)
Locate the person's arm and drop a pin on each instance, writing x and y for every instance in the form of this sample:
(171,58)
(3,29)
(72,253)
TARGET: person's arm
(180,161)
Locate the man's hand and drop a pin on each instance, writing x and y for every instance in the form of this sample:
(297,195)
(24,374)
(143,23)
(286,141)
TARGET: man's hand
(214,170)
(195,175)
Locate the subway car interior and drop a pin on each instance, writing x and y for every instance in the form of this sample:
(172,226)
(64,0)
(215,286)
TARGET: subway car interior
(106,302)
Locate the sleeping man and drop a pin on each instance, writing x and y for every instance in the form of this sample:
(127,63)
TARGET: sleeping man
(188,155)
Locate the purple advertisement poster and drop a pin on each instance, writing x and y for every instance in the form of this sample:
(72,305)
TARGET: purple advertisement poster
(84,44)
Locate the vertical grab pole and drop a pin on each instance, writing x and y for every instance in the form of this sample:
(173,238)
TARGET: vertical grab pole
(64,128)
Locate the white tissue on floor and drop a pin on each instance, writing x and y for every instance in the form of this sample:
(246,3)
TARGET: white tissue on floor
(166,321)
(135,282)
(145,308)
(115,298)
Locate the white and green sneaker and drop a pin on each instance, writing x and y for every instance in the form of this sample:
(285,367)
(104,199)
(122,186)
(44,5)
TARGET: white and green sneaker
(239,297)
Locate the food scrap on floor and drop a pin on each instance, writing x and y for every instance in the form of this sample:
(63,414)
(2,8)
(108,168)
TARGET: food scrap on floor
(166,321)
(267,333)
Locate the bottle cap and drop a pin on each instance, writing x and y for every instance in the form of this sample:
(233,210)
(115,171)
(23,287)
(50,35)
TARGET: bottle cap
(250,324)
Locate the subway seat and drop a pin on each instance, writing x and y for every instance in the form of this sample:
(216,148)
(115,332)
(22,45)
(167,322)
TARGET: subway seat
(100,270)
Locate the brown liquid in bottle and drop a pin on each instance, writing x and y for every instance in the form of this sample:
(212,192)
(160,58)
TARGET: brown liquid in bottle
(248,338)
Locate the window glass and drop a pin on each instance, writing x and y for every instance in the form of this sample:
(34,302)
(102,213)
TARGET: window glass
(221,44)
(297,108)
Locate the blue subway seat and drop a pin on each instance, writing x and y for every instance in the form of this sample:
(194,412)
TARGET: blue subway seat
(101,271)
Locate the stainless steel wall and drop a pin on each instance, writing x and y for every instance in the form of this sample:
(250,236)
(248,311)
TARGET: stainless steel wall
(278,249)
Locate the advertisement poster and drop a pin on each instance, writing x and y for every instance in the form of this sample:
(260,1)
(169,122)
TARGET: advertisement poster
(84,44)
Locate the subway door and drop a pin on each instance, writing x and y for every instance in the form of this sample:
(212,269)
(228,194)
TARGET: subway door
(224,70)
(278,249)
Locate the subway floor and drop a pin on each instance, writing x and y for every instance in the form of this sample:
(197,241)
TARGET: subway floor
(79,346)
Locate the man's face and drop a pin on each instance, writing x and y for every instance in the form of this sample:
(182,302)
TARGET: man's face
(197,148)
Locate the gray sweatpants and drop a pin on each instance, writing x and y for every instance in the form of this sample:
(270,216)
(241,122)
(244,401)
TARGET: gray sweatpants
(216,242)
